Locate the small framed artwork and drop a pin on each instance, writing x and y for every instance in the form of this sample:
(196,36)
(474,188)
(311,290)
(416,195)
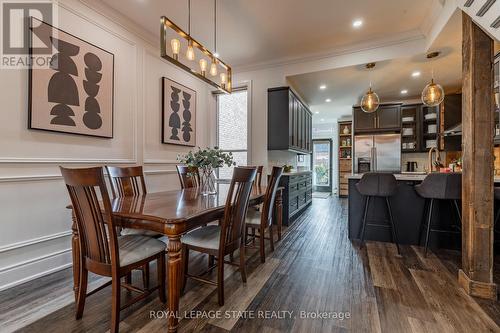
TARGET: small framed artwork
(74,93)
(178,114)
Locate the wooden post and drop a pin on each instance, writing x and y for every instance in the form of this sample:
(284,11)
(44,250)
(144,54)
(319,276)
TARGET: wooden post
(476,275)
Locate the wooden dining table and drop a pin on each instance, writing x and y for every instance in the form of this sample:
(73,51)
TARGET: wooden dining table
(172,213)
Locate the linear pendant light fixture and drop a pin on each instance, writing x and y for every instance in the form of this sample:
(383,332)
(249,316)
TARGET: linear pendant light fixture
(172,39)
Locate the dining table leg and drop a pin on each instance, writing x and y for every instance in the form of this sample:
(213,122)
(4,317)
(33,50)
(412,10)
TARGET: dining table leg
(279,211)
(174,280)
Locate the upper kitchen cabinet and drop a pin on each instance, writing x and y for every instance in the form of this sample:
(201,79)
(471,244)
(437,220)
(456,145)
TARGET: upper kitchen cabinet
(289,122)
(386,118)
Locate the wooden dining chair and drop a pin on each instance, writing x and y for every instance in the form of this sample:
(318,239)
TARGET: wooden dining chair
(219,241)
(102,251)
(258,177)
(129,182)
(261,220)
(188,176)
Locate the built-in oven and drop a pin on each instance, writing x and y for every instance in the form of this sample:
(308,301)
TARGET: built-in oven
(364,164)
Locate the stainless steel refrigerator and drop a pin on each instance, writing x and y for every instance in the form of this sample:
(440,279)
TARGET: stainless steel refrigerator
(379,152)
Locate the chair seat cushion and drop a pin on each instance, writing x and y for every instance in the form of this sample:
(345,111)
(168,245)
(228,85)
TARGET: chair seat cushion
(134,248)
(142,232)
(253,217)
(205,237)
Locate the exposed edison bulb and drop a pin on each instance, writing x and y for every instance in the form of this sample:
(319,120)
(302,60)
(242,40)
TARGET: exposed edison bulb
(370,102)
(433,94)
(190,51)
(223,79)
(176,47)
(203,66)
(213,67)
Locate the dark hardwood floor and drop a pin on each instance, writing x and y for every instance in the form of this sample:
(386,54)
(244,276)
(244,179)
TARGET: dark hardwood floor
(315,270)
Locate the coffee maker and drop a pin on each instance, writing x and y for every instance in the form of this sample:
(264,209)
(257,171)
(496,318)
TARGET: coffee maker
(411,166)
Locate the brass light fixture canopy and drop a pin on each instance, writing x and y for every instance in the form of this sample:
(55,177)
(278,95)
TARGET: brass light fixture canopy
(431,55)
(222,82)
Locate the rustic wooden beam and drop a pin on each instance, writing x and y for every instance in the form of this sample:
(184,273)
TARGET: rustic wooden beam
(476,275)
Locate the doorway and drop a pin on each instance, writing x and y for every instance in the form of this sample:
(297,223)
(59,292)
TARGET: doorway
(322,165)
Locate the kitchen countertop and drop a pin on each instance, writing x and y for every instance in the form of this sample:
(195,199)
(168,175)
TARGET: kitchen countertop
(399,176)
(294,173)
(416,176)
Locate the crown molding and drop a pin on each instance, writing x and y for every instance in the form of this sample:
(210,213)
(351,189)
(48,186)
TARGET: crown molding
(124,22)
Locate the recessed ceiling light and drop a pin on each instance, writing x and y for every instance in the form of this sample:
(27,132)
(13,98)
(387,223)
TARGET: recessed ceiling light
(328,100)
(357,23)
(322,119)
(404,91)
(415,74)
(322,87)
(317,112)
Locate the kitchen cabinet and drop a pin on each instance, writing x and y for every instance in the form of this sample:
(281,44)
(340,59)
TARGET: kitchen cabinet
(363,121)
(389,117)
(451,111)
(289,124)
(411,128)
(386,118)
(297,194)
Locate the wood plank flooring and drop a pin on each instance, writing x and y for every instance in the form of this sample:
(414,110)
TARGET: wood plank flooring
(315,270)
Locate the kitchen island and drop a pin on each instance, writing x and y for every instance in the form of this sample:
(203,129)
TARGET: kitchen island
(407,208)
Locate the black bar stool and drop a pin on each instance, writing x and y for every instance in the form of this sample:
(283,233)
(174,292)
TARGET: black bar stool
(439,186)
(382,185)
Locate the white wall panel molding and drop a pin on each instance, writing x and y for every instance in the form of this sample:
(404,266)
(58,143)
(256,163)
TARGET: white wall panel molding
(17,179)
(35,268)
(29,242)
(160,172)
(161,161)
(33,260)
(37,160)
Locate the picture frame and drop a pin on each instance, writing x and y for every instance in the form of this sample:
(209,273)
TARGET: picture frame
(177,98)
(75,93)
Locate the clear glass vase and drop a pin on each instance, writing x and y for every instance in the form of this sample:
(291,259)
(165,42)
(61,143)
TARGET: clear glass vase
(207,181)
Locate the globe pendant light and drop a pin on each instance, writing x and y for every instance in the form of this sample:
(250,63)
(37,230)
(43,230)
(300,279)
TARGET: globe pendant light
(433,94)
(370,101)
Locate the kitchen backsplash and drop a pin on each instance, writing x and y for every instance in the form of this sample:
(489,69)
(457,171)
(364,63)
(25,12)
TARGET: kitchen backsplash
(422,160)
(280,158)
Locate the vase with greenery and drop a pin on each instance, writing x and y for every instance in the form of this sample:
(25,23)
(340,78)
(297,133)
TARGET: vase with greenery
(206,161)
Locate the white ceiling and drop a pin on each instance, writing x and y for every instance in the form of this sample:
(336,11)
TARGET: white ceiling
(345,86)
(263,31)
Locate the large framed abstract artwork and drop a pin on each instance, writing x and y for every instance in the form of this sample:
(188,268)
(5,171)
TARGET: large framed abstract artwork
(178,114)
(74,94)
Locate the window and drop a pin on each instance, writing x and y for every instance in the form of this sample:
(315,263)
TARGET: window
(232,128)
